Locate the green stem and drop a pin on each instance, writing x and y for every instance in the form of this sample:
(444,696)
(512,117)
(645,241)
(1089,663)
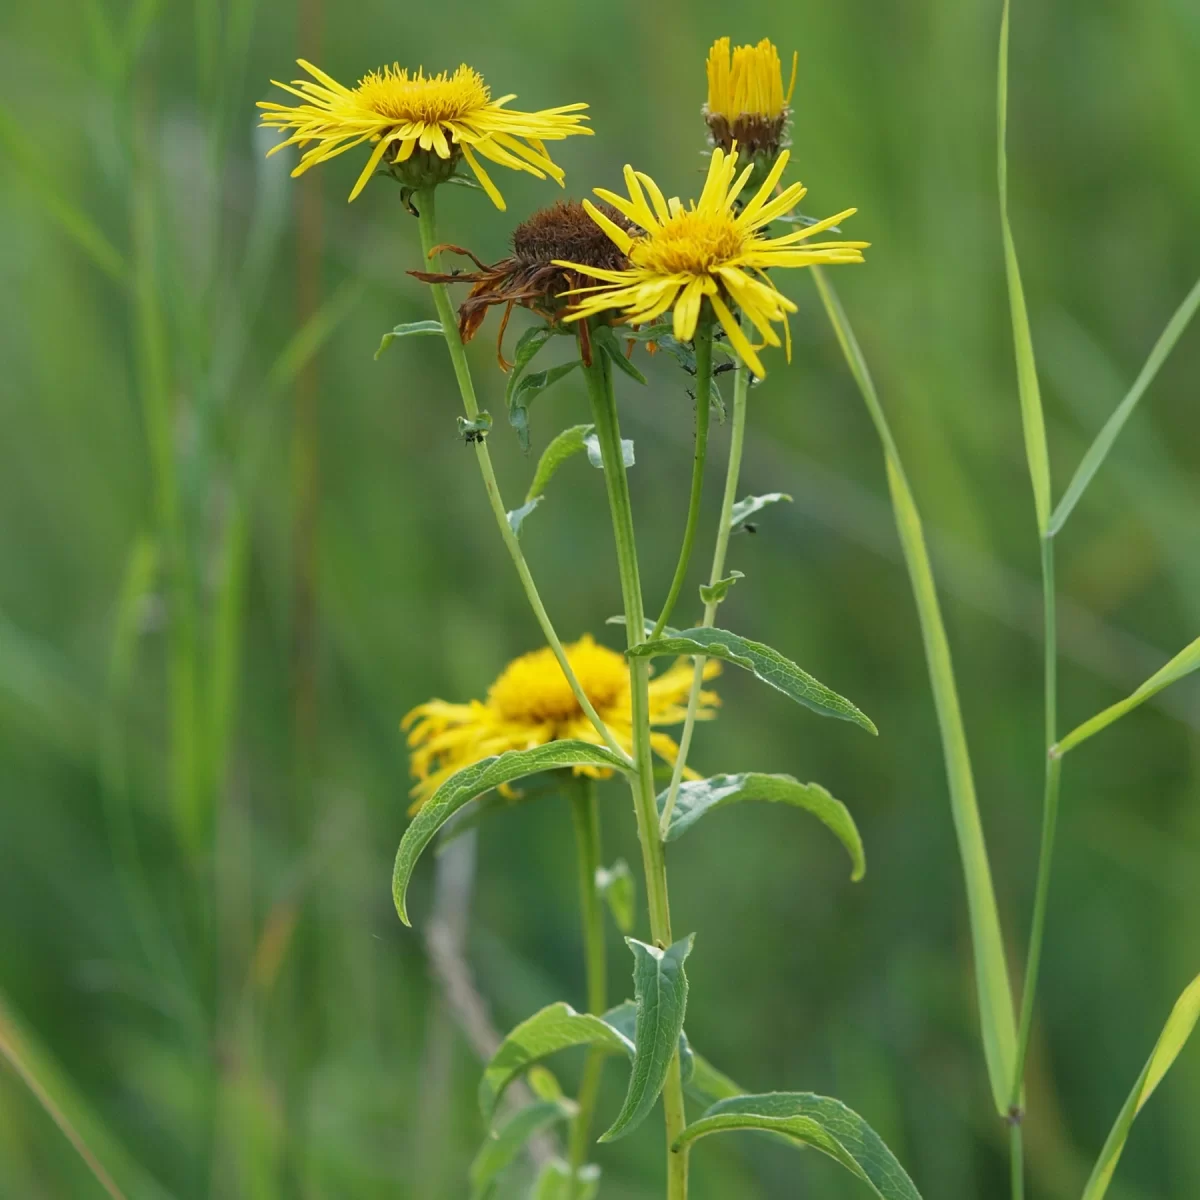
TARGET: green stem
(1049,825)
(741,384)
(1016,1148)
(604,416)
(462,372)
(704,362)
(586,814)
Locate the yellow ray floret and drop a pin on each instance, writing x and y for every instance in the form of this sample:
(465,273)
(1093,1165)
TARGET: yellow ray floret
(747,80)
(709,250)
(531,704)
(399,113)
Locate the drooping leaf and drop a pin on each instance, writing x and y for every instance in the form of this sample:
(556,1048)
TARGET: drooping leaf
(818,1121)
(463,786)
(1098,450)
(709,1085)
(554,1182)
(714,593)
(1032,420)
(619,889)
(556,1027)
(696,798)
(525,392)
(1185,662)
(596,457)
(660,990)
(745,508)
(766,664)
(503,1144)
(569,442)
(1174,1036)
(408,330)
(623,1018)
(603,336)
(516,518)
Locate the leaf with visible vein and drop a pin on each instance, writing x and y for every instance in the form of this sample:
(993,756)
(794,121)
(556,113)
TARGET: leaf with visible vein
(464,786)
(563,446)
(818,1121)
(660,989)
(764,663)
(698,797)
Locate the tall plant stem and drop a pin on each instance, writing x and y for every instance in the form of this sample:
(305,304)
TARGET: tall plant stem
(586,815)
(428,224)
(1049,825)
(1016,1157)
(604,416)
(704,362)
(741,384)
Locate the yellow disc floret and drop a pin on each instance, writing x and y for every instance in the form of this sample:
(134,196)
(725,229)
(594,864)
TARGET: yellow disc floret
(531,704)
(436,118)
(713,250)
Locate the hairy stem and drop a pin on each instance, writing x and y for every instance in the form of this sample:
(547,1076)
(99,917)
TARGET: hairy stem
(441,300)
(586,814)
(604,416)
(741,384)
(1049,825)
(704,363)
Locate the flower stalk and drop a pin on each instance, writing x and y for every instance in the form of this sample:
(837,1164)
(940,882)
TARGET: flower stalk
(427,210)
(604,416)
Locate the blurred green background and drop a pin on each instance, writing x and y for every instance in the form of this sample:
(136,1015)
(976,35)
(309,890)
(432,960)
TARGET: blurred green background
(234,550)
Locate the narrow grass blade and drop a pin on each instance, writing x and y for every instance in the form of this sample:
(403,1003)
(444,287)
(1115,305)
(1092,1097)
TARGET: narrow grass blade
(1174,1036)
(1185,662)
(996,1017)
(1027,381)
(1098,450)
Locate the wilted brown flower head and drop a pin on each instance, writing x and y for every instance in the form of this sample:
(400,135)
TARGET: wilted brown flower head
(529,277)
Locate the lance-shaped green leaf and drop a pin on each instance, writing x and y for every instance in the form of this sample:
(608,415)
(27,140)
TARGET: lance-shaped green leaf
(604,337)
(698,797)
(745,508)
(554,1182)
(463,786)
(1174,1036)
(408,330)
(660,990)
(619,889)
(530,387)
(503,1144)
(623,1019)
(818,1121)
(1032,420)
(556,1027)
(528,344)
(1098,450)
(1185,662)
(709,1085)
(569,442)
(766,664)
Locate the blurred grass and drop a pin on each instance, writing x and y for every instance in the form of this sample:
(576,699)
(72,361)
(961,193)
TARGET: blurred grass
(151,344)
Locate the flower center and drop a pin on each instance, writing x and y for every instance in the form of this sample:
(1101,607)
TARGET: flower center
(534,691)
(431,99)
(691,243)
(565,231)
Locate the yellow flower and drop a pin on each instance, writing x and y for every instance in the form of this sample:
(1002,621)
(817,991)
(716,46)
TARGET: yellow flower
(710,250)
(531,704)
(746,101)
(440,117)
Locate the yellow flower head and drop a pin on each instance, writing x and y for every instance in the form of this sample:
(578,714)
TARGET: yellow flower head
(531,704)
(711,251)
(427,121)
(746,100)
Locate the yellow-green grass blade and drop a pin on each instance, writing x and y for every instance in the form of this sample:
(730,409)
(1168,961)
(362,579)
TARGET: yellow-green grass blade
(1174,1037)
(996,1017)
(1185,662)
(1032,419)
(1098,450)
